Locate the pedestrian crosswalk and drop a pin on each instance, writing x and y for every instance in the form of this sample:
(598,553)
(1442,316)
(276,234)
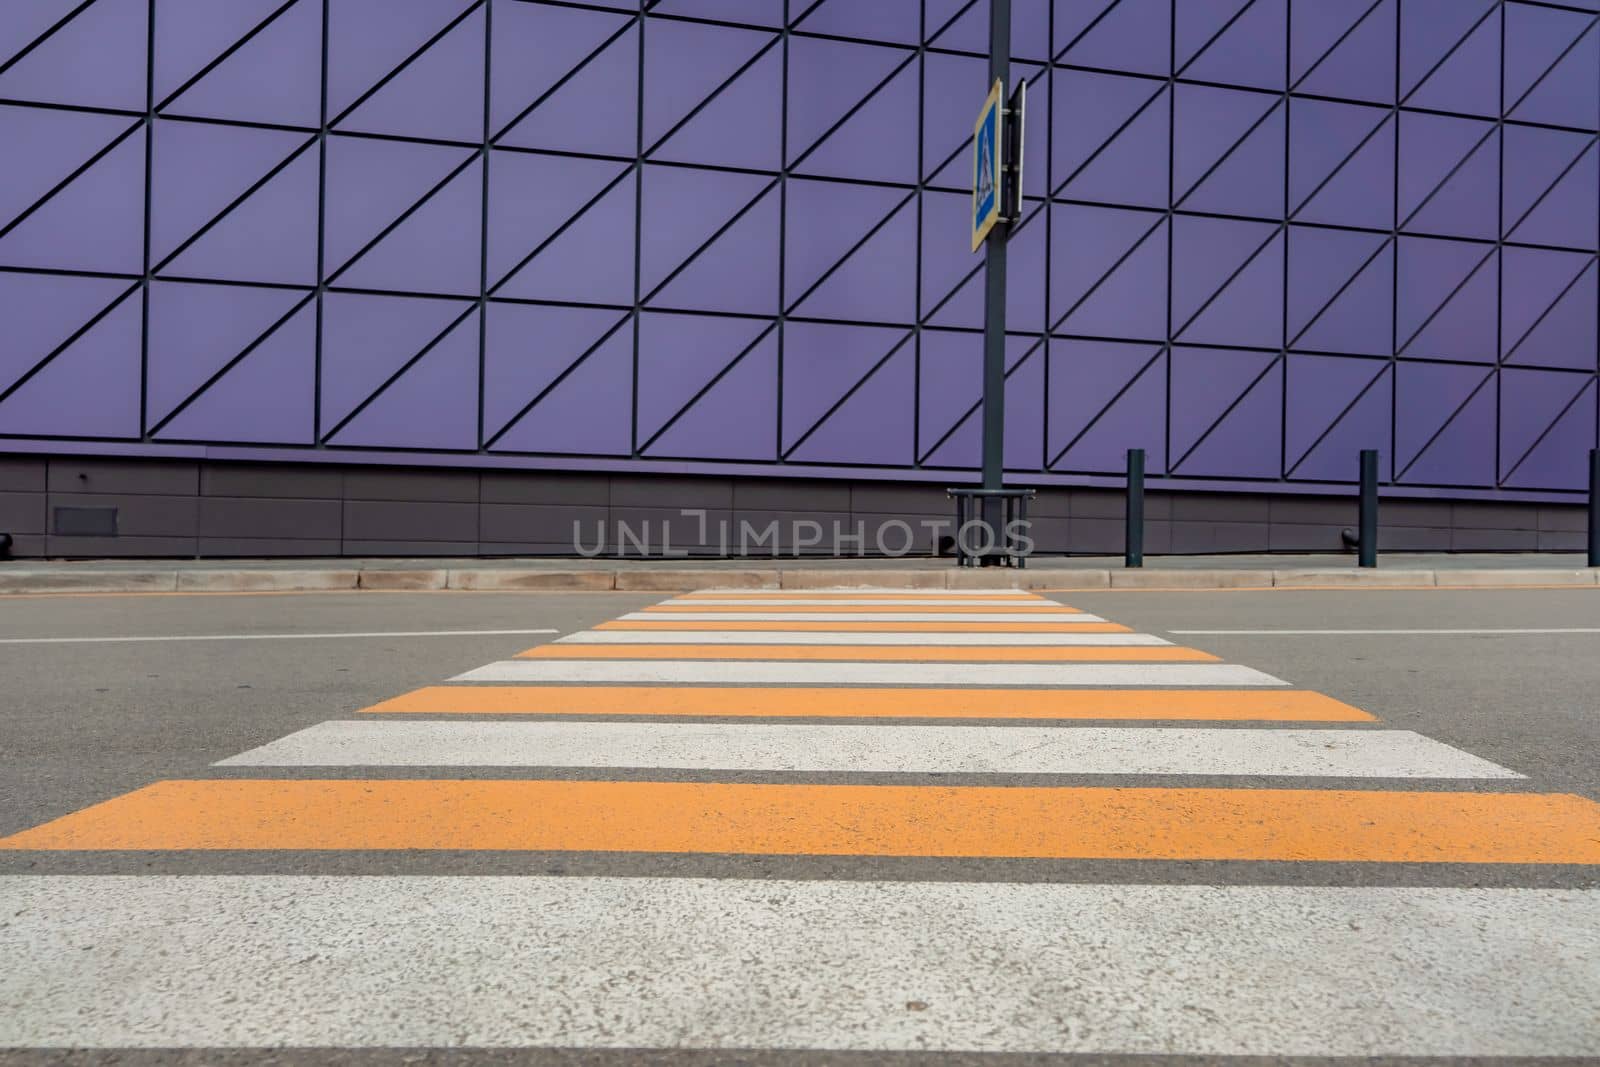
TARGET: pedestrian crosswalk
(884,749)
(974,730)
(1221,705)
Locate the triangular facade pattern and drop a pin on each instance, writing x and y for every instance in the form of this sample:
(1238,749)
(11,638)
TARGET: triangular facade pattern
(1258,236)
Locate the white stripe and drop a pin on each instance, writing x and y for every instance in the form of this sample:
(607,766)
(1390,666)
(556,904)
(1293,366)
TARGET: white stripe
(887,602)
(848,637)
(928,749)
(679,963)
(762,672)
(265,637)
(1337,633)
(865,616)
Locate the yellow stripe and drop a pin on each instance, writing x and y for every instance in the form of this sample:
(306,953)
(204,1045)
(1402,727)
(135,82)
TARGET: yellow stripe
(1220,705)
(681,817)
(902,653)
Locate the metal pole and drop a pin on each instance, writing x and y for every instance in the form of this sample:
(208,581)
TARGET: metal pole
(1133,535)
(994,308)
(1594,507)
(1368,544)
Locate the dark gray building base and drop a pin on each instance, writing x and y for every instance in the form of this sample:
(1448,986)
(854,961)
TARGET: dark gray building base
(75,507)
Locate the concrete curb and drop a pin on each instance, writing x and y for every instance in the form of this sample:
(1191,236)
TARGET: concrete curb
(671,581)
(37,582)
(678,579)
(1195,579)
(1353,578)
(422,580)
(490,580)
(307,581)
(1483,579)
(855,578)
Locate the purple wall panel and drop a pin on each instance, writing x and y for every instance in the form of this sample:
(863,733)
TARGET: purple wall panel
(1116,151)
(587,412)
(195,330)
(1238,41)
(443,381)
(436,248)
(477,227)
(950,383)
(273,75)
(191,34)
(879,141)
(367,338)
(61,142)
(529,347)
(590,259)
(439,94)
(270,236)
(1344,48)
(1341,291)
(1213,383)
(53,400)
(268,394)
(565,78)
(735,417)
(520,225)
(1122,404)
(88,221)
(896,21)
(368,40)
(95,59)
(734,127)
(1126,35)
(1335,407)
(42,312)
(373,184)
(823,362)
(684,355)
(875,422)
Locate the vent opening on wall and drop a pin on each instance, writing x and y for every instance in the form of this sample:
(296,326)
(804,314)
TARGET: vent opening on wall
(85,522)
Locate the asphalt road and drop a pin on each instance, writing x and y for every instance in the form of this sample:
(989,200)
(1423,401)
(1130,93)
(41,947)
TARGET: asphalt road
(87,714)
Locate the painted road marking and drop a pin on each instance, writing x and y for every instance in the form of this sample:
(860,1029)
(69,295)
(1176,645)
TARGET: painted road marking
(1052,615)
(267,637)
(852,626)
(836,637)
(1026,611)
(1266,971)
(843,653)
(880,601)
(872,748)
(795,673)
(1220,705)
(1385,633)
(864,591)
(1345,826)
(825,964)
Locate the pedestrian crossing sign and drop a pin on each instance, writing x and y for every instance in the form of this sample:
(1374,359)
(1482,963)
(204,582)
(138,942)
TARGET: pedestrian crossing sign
(987,160)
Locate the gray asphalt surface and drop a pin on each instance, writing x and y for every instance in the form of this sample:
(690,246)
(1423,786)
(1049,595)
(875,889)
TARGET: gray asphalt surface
(84,722)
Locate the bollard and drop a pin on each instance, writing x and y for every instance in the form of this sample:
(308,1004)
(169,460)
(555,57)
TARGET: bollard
(1594,507)
(1368,542)
(1133,534)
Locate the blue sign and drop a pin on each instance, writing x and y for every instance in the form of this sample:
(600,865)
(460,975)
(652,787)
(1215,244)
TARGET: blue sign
(987,159)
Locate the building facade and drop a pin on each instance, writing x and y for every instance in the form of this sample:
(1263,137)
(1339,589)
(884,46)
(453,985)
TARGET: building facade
(441,275)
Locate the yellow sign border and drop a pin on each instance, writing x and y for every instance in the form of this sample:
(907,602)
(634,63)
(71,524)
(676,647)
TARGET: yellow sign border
(996,101)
